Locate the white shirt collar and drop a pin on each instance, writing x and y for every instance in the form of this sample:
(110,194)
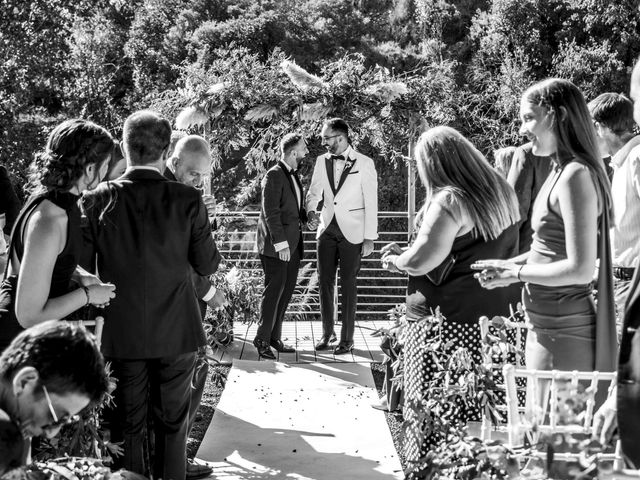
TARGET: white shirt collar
(287,166)
(621,155)
(346,154)
(130,168)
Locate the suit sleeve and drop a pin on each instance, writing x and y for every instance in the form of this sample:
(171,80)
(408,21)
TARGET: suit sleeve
(370,195)
(9,202)
(203,253)
(201,284)
(314,194)
(520,177)
(271,193)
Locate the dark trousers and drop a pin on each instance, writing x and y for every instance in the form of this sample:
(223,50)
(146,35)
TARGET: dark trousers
(333,247)
(166,382)
(280,279)
(199,374)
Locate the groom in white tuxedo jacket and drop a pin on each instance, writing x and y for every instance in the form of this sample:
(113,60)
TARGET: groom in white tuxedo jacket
(342,202)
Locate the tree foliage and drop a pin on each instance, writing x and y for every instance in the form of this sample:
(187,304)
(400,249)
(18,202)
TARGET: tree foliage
(463,62)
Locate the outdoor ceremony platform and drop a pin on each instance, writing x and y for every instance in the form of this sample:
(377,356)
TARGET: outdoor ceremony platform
(303,335)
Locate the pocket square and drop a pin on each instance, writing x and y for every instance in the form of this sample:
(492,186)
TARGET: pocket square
(351,173)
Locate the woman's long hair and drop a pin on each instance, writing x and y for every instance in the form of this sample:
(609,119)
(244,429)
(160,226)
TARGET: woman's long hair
(71,147)
(574,130)
(447,161)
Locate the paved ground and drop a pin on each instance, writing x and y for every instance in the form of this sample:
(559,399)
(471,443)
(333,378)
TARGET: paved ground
(308,421)
(303,335)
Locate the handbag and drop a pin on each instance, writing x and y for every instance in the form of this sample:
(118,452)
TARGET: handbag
(439,274)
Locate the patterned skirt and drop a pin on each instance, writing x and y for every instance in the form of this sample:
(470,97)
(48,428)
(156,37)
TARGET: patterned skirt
(419,368)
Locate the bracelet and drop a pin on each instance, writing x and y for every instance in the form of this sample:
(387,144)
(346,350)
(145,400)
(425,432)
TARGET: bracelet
(86,292)
(518,274)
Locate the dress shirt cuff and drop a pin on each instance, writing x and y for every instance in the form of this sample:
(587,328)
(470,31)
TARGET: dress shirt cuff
(281,245)
(209,295)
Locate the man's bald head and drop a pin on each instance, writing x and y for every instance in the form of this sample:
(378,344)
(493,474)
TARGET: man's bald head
(191,160)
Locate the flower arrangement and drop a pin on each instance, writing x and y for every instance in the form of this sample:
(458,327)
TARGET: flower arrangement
(70,468)
(86,437)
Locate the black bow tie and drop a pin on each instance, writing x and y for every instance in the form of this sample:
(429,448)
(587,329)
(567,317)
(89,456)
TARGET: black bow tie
(337,157)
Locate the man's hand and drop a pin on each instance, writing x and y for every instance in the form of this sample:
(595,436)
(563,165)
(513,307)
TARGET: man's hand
(218,300)
(605,420)
(313,220)
(388,262)
(285,254)
(84,278)
(210,203)
(391,248)
(367,247)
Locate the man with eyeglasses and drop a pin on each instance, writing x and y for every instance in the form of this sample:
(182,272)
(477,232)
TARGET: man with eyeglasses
(48,375)
(342,203)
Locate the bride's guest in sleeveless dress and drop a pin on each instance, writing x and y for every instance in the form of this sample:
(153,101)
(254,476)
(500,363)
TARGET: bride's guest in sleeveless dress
(570,230)
(46,241)
(470,212)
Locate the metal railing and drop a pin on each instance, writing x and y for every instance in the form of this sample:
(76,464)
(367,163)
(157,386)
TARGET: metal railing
(378,289)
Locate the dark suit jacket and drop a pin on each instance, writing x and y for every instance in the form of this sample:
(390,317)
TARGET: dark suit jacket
(9,202)
(526,175)
(629,376)
(148,240)
(200,282)
(280,216)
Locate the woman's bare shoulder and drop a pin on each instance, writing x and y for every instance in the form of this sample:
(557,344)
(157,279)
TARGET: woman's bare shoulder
(47,218)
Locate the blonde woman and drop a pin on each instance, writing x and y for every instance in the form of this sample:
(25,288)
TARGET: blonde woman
(470,212)
(571,206)
(502,160)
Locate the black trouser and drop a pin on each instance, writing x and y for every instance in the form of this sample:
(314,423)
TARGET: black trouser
(167,383)
(199,374)
(333,247)
(280,279)
(199,382)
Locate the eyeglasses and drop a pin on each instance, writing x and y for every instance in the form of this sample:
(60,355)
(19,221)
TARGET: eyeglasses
(57,422)
(329,138)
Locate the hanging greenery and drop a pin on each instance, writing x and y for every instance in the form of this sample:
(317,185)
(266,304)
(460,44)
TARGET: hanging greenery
(241,103)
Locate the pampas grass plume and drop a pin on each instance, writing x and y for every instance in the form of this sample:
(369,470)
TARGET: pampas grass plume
(190,117)
(300,77)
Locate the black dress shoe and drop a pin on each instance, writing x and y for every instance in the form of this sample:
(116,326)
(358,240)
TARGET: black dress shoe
(263,349)
(281,347)
(343,348)
(324,342)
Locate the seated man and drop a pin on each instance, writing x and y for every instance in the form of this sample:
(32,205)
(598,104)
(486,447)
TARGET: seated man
(48,375)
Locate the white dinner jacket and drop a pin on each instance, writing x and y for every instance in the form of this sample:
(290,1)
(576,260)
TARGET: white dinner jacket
(354,204)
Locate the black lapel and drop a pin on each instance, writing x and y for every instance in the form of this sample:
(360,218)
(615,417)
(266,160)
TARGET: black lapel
(297,180)
(289,176)
(345,172)
(329,165)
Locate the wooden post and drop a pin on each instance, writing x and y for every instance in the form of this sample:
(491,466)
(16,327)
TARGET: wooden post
(411,193)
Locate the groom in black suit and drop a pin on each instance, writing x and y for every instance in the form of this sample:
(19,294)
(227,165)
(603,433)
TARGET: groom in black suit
(279,242)
(149,234)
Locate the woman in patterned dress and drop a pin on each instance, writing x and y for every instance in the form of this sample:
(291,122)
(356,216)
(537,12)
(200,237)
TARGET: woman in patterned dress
(470,212)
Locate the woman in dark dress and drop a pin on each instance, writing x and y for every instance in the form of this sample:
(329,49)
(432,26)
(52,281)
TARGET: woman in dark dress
(570,230)
(469,211)
(46,240)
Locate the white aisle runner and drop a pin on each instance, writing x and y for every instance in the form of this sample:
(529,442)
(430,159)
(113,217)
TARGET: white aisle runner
(305,422)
